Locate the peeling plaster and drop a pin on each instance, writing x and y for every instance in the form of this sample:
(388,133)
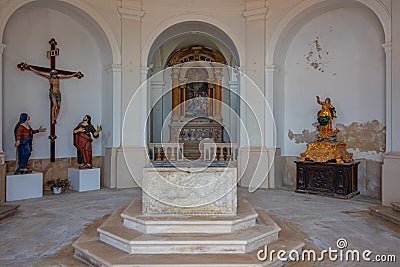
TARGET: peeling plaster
(363,139)
(305,137)
(316,56)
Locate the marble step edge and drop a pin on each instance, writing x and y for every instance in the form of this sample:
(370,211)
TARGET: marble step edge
(96,253)
(8,210)
(114,233)
(246,217)
(386,213)
(396,206)
(206,244)
(89,249)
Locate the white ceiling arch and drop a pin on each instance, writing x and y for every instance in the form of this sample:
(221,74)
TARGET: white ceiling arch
(179,25)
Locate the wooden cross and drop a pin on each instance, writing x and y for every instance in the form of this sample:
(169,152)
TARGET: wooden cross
(53,75)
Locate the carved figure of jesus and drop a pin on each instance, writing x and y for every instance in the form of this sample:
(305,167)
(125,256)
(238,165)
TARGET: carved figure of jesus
(54,91)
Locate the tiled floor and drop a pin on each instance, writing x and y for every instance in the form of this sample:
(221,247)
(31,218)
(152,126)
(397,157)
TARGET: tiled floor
(42,232)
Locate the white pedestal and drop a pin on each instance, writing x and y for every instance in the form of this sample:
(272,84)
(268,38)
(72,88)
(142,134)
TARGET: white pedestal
(24,186)
(390,179)
(84,179)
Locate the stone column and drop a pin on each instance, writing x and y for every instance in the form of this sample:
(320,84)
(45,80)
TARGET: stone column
(391,162)
(233,122)
(182,111)
(210,97)
(175,93)
(218,93)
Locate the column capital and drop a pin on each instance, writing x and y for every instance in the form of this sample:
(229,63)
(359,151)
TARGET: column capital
(271,68)
(144,69)
(218,73)
(388,47)
(113,68)
(255,10)
(2,158)
(130,13)
(2,47)
(175,73)
(157,85)
(242,69)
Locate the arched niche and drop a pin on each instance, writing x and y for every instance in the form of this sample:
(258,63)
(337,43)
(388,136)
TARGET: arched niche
(105,66)
(292,23)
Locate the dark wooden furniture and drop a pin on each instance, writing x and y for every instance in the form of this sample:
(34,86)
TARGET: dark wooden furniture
(329,179)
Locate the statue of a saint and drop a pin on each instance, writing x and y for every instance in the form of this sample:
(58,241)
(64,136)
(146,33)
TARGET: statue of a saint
(327,147)
(23,133)
(83,141)
(325,117)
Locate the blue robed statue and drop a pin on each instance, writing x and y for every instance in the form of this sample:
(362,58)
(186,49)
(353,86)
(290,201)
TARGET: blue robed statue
(23,133)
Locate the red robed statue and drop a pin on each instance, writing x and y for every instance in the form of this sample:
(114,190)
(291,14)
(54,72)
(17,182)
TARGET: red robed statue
(83,141)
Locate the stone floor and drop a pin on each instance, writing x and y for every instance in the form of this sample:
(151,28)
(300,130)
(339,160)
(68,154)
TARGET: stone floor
(42,232)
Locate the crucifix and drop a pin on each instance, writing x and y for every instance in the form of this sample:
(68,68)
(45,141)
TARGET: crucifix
(53,75)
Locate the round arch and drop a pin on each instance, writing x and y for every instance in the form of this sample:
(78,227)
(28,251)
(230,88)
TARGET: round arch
(157,35)
(308,7)
(79,8)
(289,25)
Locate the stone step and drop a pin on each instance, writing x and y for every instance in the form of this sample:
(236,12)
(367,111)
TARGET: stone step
(132,216)
(91,250)
(386,213)
(396,206)
(114,233)
(7,210)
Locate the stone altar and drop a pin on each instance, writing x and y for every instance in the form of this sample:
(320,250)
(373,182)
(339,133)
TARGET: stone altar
(189,189)
(168,228)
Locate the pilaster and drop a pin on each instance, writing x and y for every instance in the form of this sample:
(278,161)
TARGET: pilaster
(389,104)
(270,128)
(218,93)
(2,47)
(113,73)
(156,89)
(131,15)
(175,92)
(391,160)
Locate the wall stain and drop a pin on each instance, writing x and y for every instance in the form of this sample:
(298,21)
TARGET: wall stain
(362,136)
(315,57)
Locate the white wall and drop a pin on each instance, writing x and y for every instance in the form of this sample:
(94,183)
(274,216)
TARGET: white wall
(353,61)
(26,36)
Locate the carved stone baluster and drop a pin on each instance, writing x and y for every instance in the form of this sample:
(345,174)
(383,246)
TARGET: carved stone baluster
(228,153)
(219,153)
(158,157)
(173,156)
